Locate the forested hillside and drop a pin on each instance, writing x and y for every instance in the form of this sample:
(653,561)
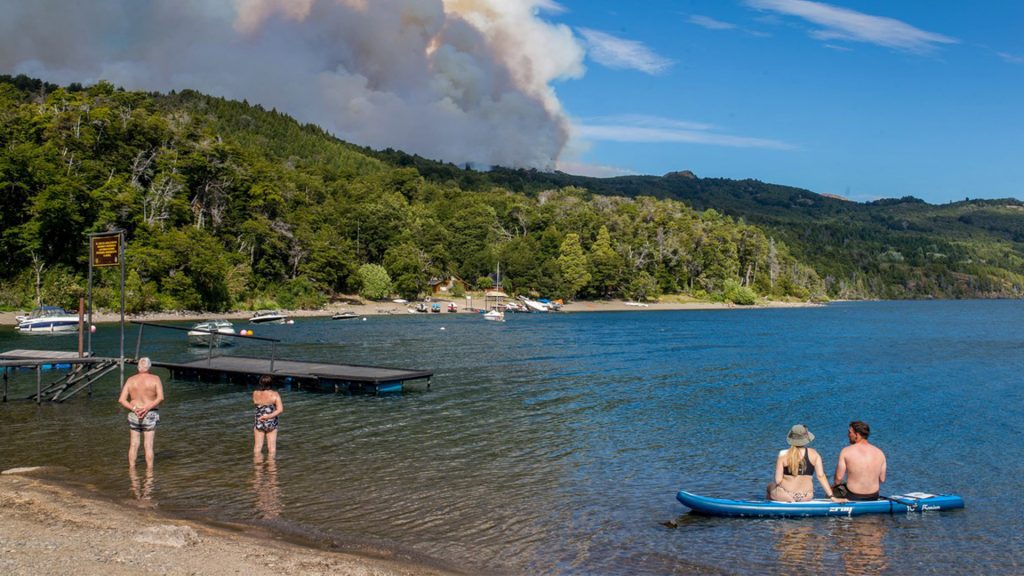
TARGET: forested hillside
(892,248)
(228,205)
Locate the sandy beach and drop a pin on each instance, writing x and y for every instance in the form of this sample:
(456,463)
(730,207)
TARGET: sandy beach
(380,308)
(46,528)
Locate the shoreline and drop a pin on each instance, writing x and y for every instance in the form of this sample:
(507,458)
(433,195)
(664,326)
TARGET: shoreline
(386,308)
(49,527)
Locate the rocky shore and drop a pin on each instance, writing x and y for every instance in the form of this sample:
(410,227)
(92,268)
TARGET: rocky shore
(380,308)
(46,528)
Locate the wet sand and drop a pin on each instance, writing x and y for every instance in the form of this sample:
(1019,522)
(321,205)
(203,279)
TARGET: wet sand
(380,308)
(46,528)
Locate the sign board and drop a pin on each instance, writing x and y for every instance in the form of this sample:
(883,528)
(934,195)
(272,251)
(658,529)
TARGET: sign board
(106,250)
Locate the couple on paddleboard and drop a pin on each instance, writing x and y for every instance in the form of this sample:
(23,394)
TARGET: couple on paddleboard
(861,464)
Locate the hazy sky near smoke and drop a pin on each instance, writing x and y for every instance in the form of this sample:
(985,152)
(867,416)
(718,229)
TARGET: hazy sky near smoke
(852,97)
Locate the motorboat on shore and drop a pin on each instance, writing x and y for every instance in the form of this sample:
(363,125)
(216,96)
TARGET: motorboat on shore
(533,305)
(269,317)
(48,320)
(202,333)
(553,305)
(344,315)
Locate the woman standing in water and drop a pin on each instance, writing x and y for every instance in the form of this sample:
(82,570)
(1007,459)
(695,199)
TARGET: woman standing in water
(268,408)
(795,468)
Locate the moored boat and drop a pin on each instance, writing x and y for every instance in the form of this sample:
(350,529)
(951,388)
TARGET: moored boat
(898,504)
(202,333)
(268,317)
(494,316)
(533,305)
(344,315)
(47,320)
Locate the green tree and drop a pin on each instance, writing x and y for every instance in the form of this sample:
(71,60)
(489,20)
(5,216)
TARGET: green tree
(572,263)
(605,264)
(375,284)
(642,287)
(734,292)
(408,267)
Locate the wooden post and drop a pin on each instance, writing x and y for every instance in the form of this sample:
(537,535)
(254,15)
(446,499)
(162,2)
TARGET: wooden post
(39,383)
(81,326)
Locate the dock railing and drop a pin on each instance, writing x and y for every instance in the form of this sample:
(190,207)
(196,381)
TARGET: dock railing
(209,354)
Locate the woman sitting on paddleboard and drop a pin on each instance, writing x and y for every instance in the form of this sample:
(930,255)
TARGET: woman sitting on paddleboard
(795,467)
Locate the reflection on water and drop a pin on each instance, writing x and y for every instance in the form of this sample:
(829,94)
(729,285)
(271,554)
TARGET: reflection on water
(851,546)
(265,487)
(861,543)
(554,444)
(141,484)
(801,546)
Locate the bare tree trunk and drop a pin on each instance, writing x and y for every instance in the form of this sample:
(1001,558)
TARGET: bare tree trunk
(38,266)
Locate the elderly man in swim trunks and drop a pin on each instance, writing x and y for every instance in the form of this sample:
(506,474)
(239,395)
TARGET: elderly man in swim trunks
(141,394)
(862,463)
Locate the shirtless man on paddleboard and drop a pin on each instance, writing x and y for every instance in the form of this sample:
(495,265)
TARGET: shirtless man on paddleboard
(862,463)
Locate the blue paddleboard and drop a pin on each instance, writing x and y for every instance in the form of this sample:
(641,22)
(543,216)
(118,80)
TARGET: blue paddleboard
(898,504)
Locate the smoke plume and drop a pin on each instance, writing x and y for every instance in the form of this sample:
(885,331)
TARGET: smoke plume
(465,81)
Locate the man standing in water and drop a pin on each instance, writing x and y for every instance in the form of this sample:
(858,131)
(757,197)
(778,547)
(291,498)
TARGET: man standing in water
(141,394)
(862,464)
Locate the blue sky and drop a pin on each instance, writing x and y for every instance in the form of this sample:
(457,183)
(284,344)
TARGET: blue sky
(861,99)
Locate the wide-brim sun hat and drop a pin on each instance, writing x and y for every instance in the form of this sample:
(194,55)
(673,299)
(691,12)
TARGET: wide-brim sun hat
(799,435)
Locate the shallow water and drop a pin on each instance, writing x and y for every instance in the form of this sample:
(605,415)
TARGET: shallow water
(554,444)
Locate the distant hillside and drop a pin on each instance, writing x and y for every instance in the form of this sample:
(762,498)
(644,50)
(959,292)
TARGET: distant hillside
(229,205)
(894,248)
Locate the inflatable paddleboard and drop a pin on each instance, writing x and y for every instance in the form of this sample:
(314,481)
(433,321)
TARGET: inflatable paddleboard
(898,504)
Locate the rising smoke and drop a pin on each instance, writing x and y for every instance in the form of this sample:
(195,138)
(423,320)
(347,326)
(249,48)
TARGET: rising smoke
(465,81)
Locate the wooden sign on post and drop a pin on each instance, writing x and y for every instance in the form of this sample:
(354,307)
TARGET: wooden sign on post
(106,250)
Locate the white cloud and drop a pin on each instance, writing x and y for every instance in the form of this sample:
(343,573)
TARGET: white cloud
(710,23)
(844,24)
(1011,58)
(619,53)
(652,129)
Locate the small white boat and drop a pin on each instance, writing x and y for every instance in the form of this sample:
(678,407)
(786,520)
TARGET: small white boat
(344,315)
(268,317)
(203,332)
(48,320)
(638,304)
(494,316)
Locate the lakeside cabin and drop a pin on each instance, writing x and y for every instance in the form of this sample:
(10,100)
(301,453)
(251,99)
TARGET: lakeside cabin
(446,286)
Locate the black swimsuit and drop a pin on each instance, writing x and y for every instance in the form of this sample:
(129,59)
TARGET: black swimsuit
(808,468)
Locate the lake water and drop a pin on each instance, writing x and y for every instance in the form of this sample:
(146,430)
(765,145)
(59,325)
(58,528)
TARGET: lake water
(555,444)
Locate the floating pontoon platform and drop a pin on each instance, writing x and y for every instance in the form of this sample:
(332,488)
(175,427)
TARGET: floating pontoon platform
(82,371)
(300,374)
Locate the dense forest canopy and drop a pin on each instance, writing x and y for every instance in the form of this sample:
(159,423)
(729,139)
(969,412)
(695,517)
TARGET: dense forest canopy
(228,206)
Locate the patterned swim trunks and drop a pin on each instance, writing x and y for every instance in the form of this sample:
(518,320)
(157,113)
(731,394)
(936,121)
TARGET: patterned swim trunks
(147,424)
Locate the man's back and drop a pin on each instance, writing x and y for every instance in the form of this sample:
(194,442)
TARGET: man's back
(143,388)
(865,467)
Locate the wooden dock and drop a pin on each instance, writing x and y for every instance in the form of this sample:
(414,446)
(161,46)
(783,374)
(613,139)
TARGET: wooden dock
(82,371)
(324,376)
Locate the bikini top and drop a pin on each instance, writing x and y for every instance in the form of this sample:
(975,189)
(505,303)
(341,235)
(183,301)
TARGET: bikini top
(808,467)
